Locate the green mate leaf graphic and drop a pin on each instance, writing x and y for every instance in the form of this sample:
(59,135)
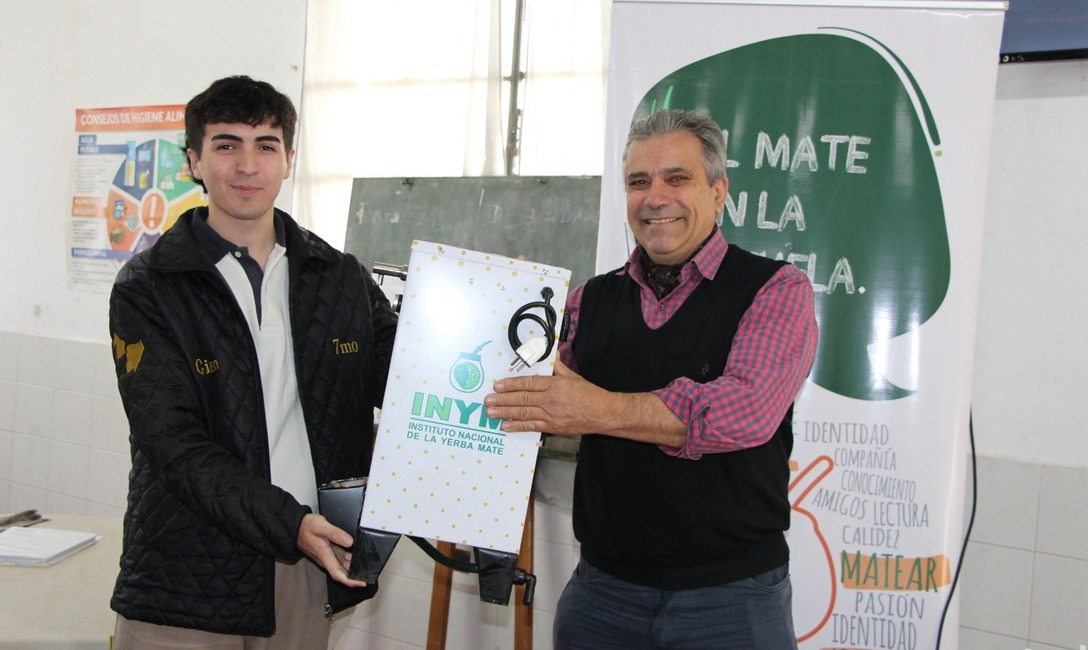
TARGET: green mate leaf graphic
(467,376)
(467,373)
(832,168)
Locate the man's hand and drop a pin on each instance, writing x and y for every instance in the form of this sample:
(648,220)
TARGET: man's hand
(328,546)
(560,404)
(567,404)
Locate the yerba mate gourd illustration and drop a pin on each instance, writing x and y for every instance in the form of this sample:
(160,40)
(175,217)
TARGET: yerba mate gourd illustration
(811,563)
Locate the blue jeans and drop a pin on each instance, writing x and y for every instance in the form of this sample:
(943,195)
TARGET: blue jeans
(598,611)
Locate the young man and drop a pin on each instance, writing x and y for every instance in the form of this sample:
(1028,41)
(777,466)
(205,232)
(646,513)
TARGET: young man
(689,357)
(250,356)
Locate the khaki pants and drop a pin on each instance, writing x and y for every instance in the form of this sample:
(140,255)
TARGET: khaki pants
(300,620)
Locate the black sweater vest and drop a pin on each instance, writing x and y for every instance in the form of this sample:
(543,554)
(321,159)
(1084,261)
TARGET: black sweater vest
(640,514)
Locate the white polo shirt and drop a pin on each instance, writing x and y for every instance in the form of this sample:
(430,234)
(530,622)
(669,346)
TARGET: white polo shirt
(270,324)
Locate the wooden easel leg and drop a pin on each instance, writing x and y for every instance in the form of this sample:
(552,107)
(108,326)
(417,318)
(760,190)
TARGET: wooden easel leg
(440,601)
(442,588)
(523,614)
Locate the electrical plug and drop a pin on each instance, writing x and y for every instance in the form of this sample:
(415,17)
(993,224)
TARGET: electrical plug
(529,353)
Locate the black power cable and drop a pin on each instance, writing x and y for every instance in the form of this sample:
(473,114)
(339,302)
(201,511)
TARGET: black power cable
(970,525)
(547,323)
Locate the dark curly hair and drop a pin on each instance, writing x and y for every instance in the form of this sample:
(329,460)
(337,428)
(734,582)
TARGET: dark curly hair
(239,100)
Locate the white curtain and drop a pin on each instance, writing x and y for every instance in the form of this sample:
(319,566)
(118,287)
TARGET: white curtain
(421,88)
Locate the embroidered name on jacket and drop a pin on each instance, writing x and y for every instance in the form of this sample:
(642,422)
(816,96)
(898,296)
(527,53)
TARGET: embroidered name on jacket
(345,347)
(206,366)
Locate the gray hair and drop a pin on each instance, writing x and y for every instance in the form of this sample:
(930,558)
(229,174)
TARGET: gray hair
(675,120)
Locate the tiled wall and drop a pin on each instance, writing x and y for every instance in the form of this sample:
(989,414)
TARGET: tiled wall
(63,434)
(64,449)
(1025,572)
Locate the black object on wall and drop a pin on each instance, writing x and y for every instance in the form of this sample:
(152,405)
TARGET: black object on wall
(1045,30)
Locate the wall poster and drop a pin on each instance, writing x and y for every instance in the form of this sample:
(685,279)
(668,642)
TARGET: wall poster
(858,134)
(130,184)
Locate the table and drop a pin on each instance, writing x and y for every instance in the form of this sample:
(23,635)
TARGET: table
(66,605)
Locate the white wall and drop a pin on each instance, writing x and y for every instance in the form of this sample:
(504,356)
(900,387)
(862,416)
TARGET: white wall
(60,55)
(1030,352)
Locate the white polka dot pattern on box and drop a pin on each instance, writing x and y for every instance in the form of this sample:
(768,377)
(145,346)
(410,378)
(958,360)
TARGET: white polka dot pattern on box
(442,469)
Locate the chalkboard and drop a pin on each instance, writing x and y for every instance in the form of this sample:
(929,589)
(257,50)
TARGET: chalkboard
(548,219)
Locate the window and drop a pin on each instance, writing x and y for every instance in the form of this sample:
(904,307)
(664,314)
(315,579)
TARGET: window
(423,88)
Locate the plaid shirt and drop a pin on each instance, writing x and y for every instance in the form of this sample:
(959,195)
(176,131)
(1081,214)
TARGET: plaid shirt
(771,355)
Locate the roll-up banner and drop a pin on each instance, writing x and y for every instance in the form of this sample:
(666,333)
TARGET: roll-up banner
(858,136)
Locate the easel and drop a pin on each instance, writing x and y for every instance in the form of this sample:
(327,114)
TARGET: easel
(443,583)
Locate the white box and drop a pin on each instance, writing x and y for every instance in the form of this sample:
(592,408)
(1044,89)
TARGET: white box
(442,469)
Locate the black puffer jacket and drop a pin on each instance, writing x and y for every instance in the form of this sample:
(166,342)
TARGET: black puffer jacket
(204,525)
